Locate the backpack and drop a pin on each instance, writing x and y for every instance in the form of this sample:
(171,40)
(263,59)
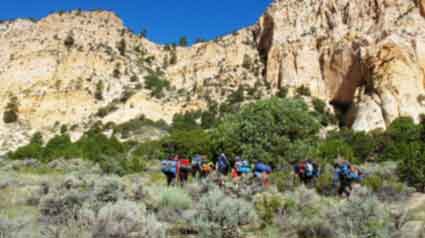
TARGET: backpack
(169,166)
(244,167)
(316,170)
(309,170)
(262,168)
(238,165)
(197,161)
(185,165)
(350,173)
(223,163)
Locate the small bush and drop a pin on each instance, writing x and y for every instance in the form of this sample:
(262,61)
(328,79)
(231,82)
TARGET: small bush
(108,189)
(412,165)
(10,114)
(122,47)
(282,93)
(183,41)
(99,90)
(247,62)
(363,215)
(217,214)
(268,205)
(174,198)
(303,91)
(69,41)
(125,219)
(59,207)
(156,84)
(104,111)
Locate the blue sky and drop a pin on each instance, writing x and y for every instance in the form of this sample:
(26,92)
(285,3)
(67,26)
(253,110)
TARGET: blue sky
(165,20)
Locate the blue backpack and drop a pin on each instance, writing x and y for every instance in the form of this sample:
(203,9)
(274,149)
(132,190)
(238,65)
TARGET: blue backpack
(262,168)
(347,173)
(197,161)
(169,166)
(244,167)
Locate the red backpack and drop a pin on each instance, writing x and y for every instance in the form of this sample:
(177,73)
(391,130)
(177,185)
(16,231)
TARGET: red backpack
(185,164)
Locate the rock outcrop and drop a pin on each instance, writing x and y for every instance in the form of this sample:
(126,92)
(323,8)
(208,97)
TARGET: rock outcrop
(365,57)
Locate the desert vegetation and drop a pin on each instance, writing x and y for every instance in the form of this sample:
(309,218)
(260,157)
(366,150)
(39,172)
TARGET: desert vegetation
(103,186)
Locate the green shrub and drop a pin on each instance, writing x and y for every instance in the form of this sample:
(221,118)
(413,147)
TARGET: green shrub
(261,129)
(412,166)
(268,205)
(217,214)
(183,41)
(186,121)
(326,117)
(136,125)
(122,47)
(236,96)
(111,154)
(99,90)
(284,181)
(188,142)
(324,183)
(363,215)
(104,111)
(373,182)
(156,84)
(247,62)
(10,114)
(149,150)
(174,198)
(124,218)
(60,147)
(282,93)
(303,91)
(69,41)
(404,129)
(333,148)
(363,145)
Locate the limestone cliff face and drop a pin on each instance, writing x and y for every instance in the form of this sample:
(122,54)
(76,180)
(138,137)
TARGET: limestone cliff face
(363,53)
(66,67)
(367,56)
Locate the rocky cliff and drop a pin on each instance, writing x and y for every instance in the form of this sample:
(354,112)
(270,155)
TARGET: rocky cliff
(364,57)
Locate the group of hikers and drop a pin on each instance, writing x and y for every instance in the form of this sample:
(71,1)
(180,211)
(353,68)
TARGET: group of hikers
(178,168)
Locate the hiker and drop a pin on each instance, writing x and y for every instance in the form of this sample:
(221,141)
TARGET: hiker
(183,169)
(307,171)
(223,168)
(242,166)
(207,168)
(197,162)
(262,171)
(223,165)
(235,170)
(169,168)
(345,175)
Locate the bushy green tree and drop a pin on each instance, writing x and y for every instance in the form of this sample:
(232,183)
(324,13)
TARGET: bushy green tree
(404,129)
(187,121)
(332,149)
(260,129)
(188,142)
(412,165)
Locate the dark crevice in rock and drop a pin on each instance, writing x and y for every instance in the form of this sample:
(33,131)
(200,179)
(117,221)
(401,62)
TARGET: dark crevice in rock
(265,40)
